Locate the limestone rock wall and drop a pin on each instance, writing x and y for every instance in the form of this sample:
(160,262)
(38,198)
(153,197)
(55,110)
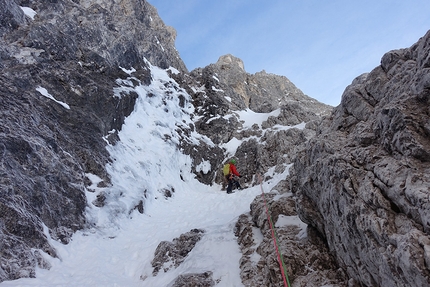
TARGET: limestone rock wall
(101,33)
(71,51)
(363,181)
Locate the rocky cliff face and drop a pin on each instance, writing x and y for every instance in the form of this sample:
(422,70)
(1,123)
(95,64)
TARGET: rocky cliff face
(260,92)
(307,259)
(221,90)
(58,109)
(363,181)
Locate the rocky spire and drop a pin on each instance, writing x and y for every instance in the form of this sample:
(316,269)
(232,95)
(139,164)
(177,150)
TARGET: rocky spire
(230,62)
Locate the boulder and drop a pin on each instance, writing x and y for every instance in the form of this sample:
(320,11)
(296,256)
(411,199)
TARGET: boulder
(171,254)
(195,280)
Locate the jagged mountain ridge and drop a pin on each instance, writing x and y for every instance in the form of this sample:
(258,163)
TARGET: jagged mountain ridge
(260,92)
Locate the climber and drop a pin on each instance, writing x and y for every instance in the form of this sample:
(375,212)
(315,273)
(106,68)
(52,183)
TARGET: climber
(230,171)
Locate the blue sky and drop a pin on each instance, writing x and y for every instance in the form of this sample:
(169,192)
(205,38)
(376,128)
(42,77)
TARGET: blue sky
(321,46)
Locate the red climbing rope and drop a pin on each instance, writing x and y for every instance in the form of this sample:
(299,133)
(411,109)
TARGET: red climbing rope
(269,218)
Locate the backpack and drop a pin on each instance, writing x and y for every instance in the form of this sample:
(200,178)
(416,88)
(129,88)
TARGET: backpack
(226,169)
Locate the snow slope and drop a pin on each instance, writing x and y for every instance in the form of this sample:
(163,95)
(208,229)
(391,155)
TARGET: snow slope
(117,248)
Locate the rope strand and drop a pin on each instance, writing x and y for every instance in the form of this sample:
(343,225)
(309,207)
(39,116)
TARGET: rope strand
(275,239)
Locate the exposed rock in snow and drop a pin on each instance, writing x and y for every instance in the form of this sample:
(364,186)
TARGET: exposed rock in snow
(201,280)
(305,254)
(74,50)
(261,92)
(172,254)
(363,182)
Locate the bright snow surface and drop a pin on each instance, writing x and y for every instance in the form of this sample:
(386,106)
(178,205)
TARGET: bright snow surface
(29,12)
(119,248)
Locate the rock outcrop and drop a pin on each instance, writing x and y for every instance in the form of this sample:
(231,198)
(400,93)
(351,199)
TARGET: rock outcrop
(307,259)
(60,64)
(363,181)
(171,254)
(201,280)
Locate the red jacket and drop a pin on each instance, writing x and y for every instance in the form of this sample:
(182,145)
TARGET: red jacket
(233,170)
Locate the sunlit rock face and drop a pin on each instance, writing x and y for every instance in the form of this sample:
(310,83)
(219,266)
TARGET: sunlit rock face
(59,108)
(363,182)
(261,92)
